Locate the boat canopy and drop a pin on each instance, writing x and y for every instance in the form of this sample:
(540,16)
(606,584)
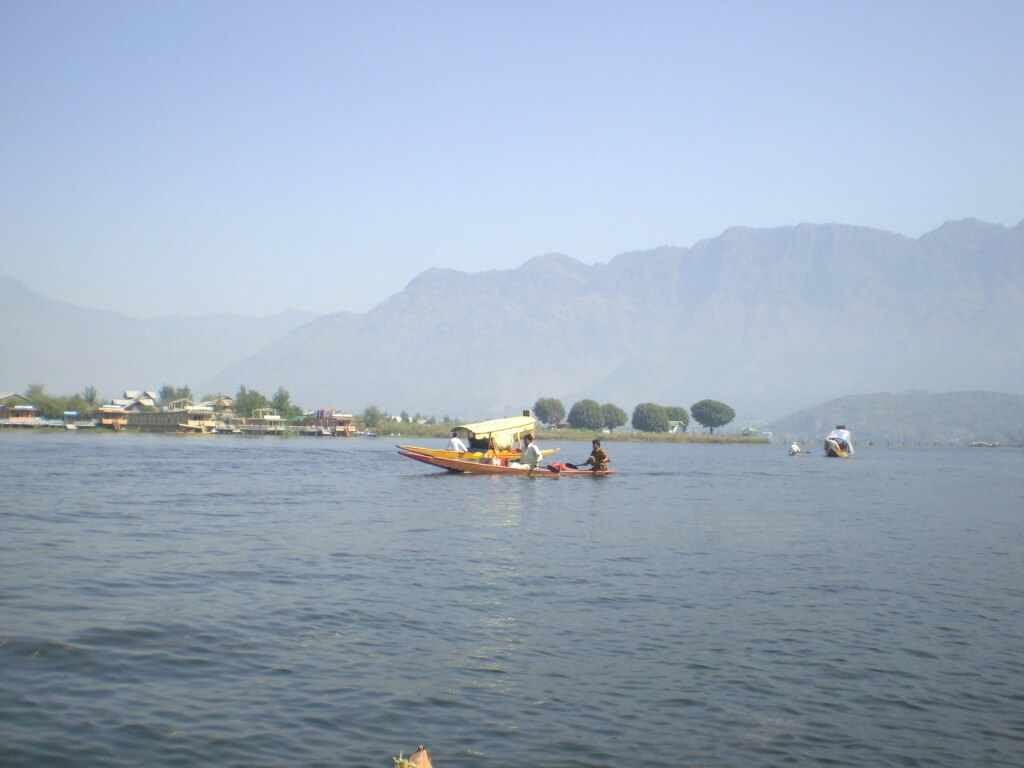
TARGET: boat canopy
(504,431)
(841,435)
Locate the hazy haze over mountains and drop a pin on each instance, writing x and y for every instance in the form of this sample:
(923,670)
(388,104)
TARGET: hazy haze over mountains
(67,348)
(766,320)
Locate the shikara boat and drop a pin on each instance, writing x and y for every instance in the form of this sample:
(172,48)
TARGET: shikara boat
(469,455)
(838,443)
(496,437)
(485,467)
(195,427)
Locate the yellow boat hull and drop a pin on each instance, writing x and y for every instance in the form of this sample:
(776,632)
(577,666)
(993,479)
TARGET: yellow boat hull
(468,455)
(478,468)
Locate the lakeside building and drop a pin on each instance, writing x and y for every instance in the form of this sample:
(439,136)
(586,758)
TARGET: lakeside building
(17,410)
(329,421)
(114,415)
(138,411)
(179,416)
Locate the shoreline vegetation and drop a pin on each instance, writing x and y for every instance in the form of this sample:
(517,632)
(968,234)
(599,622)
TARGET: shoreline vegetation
(587,419)
(550,434)
(547,436)
(955,418)
(442,430)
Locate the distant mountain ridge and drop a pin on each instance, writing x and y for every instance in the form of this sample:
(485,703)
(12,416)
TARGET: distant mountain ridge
(68,348)
(766,320)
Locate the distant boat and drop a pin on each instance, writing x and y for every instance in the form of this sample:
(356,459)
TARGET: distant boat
(838,443)
(195,427)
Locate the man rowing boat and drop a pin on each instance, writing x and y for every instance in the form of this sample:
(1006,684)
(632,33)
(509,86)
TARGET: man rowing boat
(598,460)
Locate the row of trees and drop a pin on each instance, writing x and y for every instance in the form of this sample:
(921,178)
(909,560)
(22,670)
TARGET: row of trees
(586,414)
(647,417)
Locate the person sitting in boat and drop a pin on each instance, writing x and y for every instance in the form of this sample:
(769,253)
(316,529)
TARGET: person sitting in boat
(456,444)
(531,456)
(491,454)
(598,460)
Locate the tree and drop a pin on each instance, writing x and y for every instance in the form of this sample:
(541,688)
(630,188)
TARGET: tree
(47,406)
(613,416)
(650,417)
(249,400)
(586,414)
(168,394)
(282,403)
(80,405)
(548,410)
(35,394)
(678,413)
(372,417)
(91,396)
(711,414)
(54,406)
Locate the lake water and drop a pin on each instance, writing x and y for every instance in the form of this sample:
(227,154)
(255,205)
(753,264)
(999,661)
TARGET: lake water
(228,601)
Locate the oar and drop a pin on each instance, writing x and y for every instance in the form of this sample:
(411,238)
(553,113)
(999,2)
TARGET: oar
(548,467)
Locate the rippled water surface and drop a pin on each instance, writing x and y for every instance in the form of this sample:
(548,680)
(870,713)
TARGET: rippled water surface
(324,602)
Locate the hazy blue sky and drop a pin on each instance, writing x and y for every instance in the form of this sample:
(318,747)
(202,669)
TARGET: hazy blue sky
(188,158)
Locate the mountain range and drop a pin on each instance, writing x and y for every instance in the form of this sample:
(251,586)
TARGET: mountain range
(67,348)
(766,320)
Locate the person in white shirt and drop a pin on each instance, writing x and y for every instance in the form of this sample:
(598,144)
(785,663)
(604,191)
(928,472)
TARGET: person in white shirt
(456,444)
(531,456)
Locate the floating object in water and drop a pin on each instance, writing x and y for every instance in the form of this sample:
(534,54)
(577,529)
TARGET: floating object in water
(418,759)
